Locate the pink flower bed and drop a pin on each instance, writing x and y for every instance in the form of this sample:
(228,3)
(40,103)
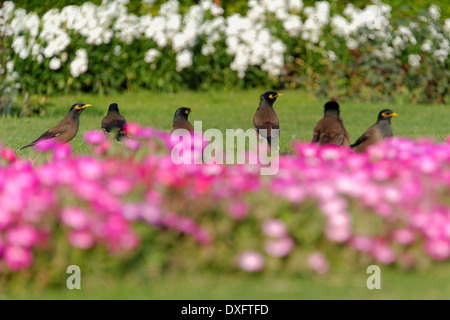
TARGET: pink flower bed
(380,203)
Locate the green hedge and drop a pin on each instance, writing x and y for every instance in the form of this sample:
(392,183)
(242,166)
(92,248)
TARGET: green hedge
(400,8)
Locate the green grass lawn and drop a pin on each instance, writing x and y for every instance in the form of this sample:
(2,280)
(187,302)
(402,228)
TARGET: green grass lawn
(298,113)
(431,283)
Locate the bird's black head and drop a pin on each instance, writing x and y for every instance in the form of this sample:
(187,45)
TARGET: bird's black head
(113,107)
(270,96)
(183,112)
(386,114)
(331,108)
(79,107)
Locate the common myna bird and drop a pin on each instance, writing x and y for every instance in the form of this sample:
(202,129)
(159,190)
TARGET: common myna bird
(265,120)
(66,129)
(180,119)
(377,132)
(114,122)
(330,129)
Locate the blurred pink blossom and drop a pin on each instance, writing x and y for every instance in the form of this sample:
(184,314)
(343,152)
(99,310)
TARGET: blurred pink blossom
(403,236)
(251,261)
(274,228)
(279,247)
(132,144)
(238,210)
(318,263)
(94,137)
(75,218)
(81,239)
(22,235)
(438,249)
(9,155)
(17,257)
(381,252)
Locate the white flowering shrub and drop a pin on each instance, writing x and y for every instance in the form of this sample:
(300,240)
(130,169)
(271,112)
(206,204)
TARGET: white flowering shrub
(278,43)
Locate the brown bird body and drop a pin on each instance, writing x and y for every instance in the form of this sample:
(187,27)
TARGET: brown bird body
(265,119)
(114,121)
(377,132)
(180,120)
(330,129)
(66,129)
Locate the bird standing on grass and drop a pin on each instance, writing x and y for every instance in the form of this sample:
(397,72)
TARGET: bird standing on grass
(114,121)
(265,120)
(377,132)
(330,129)
(180,120)
(66,129)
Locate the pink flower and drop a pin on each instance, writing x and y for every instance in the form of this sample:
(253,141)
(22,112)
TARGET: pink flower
(186,225)
(46,145)
(171,220)
(251,261)
(274,228)
(403,236)
(75,218)
(318,263)
(131,211)
(94,137)
(338,228)
(132,129)
(120,185)
(129,241)
(202,236)
(102,148)
(151,214)
(238,210)
(6,217)
(81,239)
(438,249)
(280,247)
(9,155)
(132,144)
(17,257)
(2,248)
(382,252)
(361,243)
(62,152)
(22,235)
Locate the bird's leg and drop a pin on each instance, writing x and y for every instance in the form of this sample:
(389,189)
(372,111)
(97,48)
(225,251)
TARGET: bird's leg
(39,154)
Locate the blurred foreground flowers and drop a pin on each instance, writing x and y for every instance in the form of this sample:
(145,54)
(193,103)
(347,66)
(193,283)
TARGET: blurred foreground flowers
(325,206)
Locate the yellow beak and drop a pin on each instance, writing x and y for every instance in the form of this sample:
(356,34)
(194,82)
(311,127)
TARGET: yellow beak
(393,114)
(83,106)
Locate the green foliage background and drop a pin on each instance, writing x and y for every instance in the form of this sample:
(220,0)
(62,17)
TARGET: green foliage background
(357,74)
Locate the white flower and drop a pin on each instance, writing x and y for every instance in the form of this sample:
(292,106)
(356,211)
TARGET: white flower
(414,60)
(435,12)
(426,45)
(331,55)
(10,66)
(55,63)
(293,25)
(441,55)
(80,64)
(295,5)
(446,26)
(184,60)
(151,55)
